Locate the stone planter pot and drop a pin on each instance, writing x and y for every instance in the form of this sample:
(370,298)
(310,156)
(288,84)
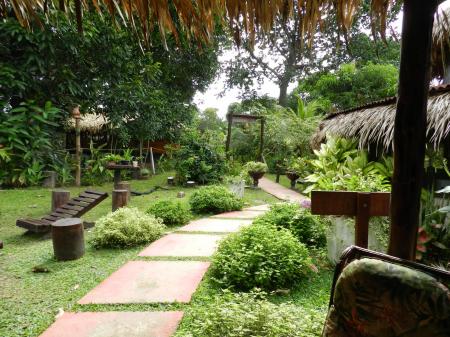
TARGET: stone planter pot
(256,176)
(292,176)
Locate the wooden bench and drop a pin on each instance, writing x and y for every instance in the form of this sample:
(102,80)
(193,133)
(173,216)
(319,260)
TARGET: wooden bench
(74,208)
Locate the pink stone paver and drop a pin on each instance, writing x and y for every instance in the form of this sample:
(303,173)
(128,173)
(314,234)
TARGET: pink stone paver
(215,225)
(183,245)
(115,324)
(261,208)
(246,214)
(149,282)
(280,191)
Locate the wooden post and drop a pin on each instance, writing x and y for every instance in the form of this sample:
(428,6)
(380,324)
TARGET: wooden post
(124,185)
(362,219)
(152,161)
(76,115)
(228,143)
(119,199)
(59,198)
(261,140)
(410,126)
(68,239)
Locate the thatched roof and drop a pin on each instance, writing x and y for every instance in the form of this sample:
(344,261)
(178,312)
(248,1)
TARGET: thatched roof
(374,123)
(440,51)
(92,123)
(197,18)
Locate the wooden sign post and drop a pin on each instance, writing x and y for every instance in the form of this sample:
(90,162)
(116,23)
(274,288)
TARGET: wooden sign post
(361,205)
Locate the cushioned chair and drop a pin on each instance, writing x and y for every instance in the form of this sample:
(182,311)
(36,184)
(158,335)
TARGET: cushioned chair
(377,295)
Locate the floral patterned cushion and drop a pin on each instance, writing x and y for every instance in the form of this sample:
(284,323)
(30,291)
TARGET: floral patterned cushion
(374,298)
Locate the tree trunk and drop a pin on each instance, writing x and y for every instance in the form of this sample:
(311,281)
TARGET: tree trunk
(410,126)
(282,99)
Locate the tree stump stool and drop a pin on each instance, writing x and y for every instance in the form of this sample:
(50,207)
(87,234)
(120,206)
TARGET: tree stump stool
(59,198)
(68,239)
(170,181)
(1,244)
(50,179)
(190,183)
(124,185)
(119,199)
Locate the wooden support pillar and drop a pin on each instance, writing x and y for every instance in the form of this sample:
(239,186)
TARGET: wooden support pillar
(59,198)
(152,161)
(410,126)
(68,239)
(261,141)
(77,116)
(124,185)
(228,143)
(119,199)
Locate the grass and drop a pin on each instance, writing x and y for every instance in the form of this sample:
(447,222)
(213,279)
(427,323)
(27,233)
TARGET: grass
(29,300)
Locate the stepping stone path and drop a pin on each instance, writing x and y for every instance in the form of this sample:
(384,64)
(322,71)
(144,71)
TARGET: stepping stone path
(158,281)
(183,245)
(280,191)
(107,324)
(212,225)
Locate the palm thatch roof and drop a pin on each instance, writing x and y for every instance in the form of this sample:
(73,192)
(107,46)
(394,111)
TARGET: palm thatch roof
(374,123)
(91,123)
(197,17)
(440,51)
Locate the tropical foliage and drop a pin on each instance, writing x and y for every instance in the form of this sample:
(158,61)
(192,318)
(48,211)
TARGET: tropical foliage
(214,199)
(172,213)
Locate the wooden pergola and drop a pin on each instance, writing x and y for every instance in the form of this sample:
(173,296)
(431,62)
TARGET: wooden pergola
(256,17)
(239,118)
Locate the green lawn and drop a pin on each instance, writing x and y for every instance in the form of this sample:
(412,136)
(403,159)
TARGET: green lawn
(30,301)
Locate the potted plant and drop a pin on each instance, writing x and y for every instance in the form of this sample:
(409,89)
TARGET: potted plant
(145,173)
(256,171)
(296,169)
(127,157)
(112,159)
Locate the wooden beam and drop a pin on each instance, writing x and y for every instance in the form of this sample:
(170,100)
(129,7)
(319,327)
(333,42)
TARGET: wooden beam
(410,126)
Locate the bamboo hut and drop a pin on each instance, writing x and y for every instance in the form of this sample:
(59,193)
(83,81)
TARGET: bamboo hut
(373,124)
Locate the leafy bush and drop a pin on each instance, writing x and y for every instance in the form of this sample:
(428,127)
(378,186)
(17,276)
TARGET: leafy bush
(340,166)
(214,199)
(126,227)
(255,166)
(299,166)
(251,315)
(199,158)
(173,213)
(260,256)
(307,228)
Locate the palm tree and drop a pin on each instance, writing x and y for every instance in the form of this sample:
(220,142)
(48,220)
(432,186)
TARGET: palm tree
(197,18)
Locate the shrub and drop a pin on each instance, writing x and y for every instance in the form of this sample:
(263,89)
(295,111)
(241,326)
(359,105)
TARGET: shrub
(214,199)
(251,315)
(260,256)
(199,159)
(255,166)
(307,228)
(173,213)
(126,227)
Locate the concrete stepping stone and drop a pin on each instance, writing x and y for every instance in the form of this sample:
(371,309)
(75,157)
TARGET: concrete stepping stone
(183,245)
(149,282)
(115,324)
(215,225)
(260,208)
(246,214)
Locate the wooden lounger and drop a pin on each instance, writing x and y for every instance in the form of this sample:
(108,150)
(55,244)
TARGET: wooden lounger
(74,208)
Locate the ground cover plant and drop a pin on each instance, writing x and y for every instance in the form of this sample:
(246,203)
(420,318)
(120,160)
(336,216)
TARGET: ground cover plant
(172,213)
(252,315)
(27,309)
(214,199)
(307,228)
(126,227)
(260,256)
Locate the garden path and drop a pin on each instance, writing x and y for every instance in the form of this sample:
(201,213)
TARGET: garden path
(161,278)
(280,191)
